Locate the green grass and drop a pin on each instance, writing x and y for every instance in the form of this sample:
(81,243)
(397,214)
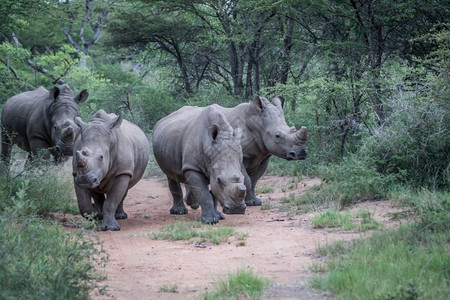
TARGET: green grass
(245,283)
(334,219)
(38,260)
(189,230)
(410,262)
(168,288)
(344,220)
(264,190)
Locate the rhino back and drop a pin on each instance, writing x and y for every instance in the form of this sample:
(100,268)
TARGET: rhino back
(177,141)
(131,152)
(23,114)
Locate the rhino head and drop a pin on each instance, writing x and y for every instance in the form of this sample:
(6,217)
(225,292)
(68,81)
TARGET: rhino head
(266,119)
(91,160)
(62,110)
(223,154)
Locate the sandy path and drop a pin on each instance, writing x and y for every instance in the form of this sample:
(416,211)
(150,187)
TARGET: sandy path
(278,246)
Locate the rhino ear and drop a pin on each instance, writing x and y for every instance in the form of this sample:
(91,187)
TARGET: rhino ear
(214,132)
(259,103)
(82,96)
(79,121)
(54,93)
(115,123)
(278,102)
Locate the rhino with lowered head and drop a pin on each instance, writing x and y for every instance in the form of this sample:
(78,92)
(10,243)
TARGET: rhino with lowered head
(41,119)
(110,157)
(198,147)
(264,133)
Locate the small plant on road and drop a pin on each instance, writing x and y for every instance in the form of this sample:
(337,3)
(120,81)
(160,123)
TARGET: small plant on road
(245,283)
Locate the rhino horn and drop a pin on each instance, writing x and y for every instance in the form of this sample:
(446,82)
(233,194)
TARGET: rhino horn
(81,159)
(302,134)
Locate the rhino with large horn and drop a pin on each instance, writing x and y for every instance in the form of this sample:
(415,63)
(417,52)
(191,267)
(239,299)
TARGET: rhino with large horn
(41,119)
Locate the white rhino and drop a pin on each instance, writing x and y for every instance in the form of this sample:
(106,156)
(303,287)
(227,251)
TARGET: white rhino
(264,133)
(110,157)
(41,119)
(198,147)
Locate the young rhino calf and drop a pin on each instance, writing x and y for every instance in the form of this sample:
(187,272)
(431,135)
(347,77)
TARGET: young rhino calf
(110,157)
(198,147)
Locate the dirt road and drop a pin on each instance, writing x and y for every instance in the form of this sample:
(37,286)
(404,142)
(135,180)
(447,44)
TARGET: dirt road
(278,247)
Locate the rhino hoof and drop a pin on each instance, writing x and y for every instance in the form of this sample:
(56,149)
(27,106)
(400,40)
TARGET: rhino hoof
(194,206)
(178,210)
(209,220)
(121,216)
(112,228)
(253,202)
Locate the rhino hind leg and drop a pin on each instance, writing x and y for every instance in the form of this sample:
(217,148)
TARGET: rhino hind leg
(178,207)
(250,197)
(120,213)
(99,199)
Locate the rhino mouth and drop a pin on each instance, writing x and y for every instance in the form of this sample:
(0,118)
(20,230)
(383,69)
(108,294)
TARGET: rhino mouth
(234,210)
(293,155)
(86,181)
(63,149)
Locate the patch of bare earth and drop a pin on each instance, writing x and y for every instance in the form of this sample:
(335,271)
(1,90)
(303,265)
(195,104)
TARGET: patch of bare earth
(279,246)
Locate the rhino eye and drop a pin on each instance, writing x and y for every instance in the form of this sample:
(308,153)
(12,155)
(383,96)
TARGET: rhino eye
(277,135)
(100,157)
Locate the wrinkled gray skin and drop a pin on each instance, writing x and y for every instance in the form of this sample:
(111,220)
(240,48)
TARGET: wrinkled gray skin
(264,133)
(41,119)
(198,147)
(110,157)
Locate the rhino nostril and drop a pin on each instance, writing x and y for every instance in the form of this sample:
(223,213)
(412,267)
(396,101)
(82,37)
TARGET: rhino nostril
(96,182)
(57,148)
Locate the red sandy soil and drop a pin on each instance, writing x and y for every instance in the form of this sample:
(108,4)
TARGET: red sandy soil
(279,246)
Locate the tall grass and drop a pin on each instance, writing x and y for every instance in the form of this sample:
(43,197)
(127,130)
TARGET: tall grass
(38,260)
(245,283)
(411,262)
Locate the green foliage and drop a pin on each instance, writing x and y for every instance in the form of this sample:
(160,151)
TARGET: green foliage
(188,230)
(245,283)
(37,258)
(168,288)
(332,219)
(410,262)
(40,190)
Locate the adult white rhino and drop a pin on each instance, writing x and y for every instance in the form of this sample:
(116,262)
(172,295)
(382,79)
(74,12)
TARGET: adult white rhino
(41,119)
(198,147)
(110,157)
(264,133)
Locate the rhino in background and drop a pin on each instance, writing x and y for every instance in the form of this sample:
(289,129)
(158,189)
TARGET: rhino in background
(264,133)
(198,147)
(110,157)
(41,119)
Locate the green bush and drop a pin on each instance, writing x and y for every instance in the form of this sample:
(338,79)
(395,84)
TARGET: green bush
(410,262)
(42,189)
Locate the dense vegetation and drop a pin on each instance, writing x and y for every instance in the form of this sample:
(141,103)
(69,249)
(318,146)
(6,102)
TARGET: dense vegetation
(370,80)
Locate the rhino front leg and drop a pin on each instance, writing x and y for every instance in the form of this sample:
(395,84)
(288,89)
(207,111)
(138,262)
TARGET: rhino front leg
(112,202)
(199,190)
(190,200)
(250,197)
(178,207)
(99,199)
(84,201)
